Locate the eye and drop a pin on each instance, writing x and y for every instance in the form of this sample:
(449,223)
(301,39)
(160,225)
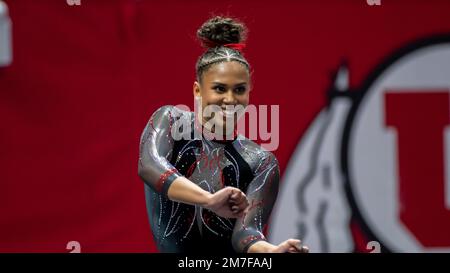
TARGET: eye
(219,88)
(240,90)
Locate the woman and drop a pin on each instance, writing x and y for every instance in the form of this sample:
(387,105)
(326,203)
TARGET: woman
(195,185)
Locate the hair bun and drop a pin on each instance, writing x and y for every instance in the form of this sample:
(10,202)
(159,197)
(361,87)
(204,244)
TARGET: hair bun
(219,31)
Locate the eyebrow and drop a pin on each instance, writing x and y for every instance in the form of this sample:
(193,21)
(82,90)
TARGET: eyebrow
(238,84)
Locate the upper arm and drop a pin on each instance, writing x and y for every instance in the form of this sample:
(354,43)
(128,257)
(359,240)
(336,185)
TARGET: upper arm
(156,145)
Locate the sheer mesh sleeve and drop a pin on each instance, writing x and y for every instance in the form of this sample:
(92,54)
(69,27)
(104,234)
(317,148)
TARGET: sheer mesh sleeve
(155,151)
(261,193)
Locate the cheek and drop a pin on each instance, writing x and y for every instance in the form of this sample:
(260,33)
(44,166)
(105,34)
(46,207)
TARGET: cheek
(244,100)
(209,97)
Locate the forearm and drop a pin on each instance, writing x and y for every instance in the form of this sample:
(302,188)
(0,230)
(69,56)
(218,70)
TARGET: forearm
(262,191)
(184,191)
(261,247)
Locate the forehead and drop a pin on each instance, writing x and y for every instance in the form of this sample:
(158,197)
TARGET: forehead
(226,72)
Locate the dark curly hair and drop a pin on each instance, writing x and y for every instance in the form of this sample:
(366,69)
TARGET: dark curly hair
(213,35)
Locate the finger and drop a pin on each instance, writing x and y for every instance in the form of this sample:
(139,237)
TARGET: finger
(245,200)
(236,195)
(237,210)
(300,248)
(296,243)
(242,202)
(304,249)
(233,213)
(284,247)
(240,214)
(290,246)
(232,192)
(242,206)
(293,250)
(241,199)
(247,209)
(235,198)
(234,205)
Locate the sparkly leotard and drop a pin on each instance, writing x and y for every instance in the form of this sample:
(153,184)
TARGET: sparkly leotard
(212,165)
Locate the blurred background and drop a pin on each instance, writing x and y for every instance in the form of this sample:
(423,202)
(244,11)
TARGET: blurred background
(363,90)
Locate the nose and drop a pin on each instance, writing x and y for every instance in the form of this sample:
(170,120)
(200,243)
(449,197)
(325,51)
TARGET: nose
(229,98)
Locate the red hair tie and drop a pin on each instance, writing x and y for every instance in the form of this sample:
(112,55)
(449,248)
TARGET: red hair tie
(239,46)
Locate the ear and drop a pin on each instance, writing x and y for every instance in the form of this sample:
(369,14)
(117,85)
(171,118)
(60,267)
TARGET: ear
(196,89)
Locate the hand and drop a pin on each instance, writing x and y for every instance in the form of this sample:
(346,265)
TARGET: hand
(291,246)
(229,202)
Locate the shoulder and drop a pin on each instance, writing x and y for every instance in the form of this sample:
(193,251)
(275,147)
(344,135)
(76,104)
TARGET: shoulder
(171,113)
(258,158)
(170,110)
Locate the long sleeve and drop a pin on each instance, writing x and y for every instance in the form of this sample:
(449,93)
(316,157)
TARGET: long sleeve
(155,150)
(261,193)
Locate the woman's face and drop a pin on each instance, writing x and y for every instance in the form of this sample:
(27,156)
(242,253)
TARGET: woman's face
(227,85)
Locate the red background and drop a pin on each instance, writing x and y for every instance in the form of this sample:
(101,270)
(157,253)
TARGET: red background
(85,80)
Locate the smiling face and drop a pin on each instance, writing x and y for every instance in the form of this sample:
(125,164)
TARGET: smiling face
(225,85)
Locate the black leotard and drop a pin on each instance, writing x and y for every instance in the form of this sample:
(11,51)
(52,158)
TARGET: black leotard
(212,165)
